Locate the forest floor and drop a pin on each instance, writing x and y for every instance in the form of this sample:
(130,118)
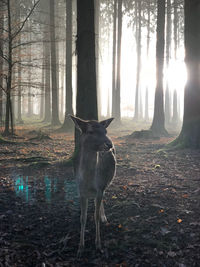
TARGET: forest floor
(152,205)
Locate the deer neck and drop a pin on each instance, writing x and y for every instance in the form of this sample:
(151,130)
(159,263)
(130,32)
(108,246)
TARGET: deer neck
(87,162)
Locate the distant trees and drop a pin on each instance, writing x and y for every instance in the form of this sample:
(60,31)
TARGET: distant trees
(10,44)
(190,133)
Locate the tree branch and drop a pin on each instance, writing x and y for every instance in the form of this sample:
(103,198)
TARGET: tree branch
(23,23)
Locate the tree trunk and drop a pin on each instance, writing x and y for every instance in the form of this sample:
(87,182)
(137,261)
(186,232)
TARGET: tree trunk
(54,84)
(114,59)
(97,23)
(175,109)
(9,77)
(168,33)
(47,100)
(30,110)
(148,25)
(175,28)
(86,100)
(138,70)
(68,124)
(146,116)
(167,107)
(42,87)
(190,133)
(1,70)
(158,124)
(118,78)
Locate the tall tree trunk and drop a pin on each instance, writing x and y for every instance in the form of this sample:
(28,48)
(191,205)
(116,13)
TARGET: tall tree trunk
(158,124)
(168,33)
(114,59)
(167,106)
(42,87)
(190,133)
(86,100)
(54,83)
(30,110)
(138,70)
(175,28)
(9,116)
(19,71)
(1,69)
(148,25)
(47,99)
(97,32)
(118,78)
(175,108)
(68,124)
(146,116)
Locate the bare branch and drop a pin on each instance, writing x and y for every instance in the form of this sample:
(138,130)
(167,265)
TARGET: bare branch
(23,23)
(26,43)
(2,55)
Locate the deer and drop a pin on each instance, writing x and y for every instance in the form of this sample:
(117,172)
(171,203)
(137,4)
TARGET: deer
(94,166)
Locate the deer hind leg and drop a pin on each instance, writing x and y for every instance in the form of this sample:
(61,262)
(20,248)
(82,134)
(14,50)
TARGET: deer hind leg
(98,202)
(83,219)
(102,211)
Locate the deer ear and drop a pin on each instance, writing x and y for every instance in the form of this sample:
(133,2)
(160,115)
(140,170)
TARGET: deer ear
(80,124)
(107,122)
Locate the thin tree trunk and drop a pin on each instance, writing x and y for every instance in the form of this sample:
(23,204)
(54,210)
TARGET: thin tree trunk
(168,33)
(9,77)
(97,23)
(114,60)
(175,108)
(42,87)
(54,84)
(68,124)
(146,105)
(158,124)
(47,102)
(175,28)
(30,113)
(148,25)
(136,116)
(118,78)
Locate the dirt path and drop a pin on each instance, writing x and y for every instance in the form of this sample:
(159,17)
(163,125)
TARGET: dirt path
(152,206)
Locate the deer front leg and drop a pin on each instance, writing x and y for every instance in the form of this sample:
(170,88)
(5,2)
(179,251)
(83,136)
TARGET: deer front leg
(83,219)
(97,220)
(103,216)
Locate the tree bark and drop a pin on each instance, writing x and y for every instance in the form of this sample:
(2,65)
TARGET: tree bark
(1,69)
(138,41)
(190,133)
(9,77)
(114,59)
(86,100)
(158,124)
(118,78)
(68,124)
(47,99)
(175,28)
(54,83)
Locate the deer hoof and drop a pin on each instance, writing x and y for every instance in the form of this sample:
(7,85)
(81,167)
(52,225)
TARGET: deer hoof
(104,219)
